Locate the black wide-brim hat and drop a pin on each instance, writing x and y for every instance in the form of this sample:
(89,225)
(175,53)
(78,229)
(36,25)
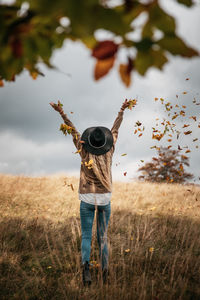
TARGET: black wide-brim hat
(107,142)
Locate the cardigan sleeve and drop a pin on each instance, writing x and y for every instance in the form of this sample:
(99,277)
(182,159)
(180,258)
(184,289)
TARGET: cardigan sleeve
(116,125)
(75,134)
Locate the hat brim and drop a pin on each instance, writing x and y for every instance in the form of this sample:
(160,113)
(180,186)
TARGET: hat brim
(100,150)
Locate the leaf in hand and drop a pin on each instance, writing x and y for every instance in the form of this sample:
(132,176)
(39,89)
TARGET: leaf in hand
(132,103)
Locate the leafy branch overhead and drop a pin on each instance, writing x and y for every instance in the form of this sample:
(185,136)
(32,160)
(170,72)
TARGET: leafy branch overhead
(32,30)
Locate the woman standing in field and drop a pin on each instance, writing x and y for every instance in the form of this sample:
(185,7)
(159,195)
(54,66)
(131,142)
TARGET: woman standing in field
(96,147)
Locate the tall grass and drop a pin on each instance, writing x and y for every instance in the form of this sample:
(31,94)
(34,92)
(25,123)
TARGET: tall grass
(154,241)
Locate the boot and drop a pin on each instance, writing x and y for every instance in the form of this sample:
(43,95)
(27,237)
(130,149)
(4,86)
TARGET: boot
(86,274)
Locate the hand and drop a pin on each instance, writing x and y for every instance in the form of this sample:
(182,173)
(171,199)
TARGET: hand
(125,105)
(57,107)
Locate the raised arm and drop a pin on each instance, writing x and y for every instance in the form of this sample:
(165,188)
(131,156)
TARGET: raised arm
(75,133)
(119,120)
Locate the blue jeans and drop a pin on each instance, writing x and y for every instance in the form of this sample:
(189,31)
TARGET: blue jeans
(87,216)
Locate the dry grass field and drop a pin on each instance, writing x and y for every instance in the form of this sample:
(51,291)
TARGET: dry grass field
(154,241)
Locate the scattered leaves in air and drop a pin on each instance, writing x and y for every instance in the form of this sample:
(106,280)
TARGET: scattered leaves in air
(78,151)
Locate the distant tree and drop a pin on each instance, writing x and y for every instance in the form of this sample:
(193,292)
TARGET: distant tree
(167,167)
(32,30)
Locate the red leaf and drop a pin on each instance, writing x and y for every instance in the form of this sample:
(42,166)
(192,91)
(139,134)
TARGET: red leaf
(105,49)
(1,83)
(17,48)
(103,67)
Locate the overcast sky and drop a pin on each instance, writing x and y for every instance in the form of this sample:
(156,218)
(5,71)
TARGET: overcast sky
(30,140)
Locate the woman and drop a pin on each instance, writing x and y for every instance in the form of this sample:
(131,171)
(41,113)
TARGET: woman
(96,147)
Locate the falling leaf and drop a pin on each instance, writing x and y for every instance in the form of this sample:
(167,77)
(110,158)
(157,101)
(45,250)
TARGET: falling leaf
(157,136)
(181,167)
(127,250)
(187,132)
(71,112)
(184,93)
(138,123)
(179,148)
(176,96)
(142,160)
(151,249)
(140,135)
(103,67)
(196,139)
(1,83)
(174,117)
(185,125)
(135,131)
(194,118)
(156,99)
(125,173)
(78,151)
(124,154)
(169,140)
(187,78)
(105,50)
(187,151)
(66,129)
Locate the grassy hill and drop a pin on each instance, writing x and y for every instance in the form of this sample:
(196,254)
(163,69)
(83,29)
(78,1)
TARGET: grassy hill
(154,241)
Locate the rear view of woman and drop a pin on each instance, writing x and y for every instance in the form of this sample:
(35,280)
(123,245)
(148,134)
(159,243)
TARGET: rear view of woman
(96,147)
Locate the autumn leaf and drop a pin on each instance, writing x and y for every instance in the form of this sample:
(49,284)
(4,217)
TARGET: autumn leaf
(125,173)
(125,72)
(194,118)
(187,151)
(185,125)
(102,67)
(138,123)
(66,129)
(157,136)
(196,139)
(132,103)
(124,154)
(1,83)
(140,135)
(105,50)
(187,132)
(34,75)
(184,93)
(156,99)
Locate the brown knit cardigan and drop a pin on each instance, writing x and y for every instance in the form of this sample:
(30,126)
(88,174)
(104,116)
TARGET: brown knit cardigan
(95,172)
